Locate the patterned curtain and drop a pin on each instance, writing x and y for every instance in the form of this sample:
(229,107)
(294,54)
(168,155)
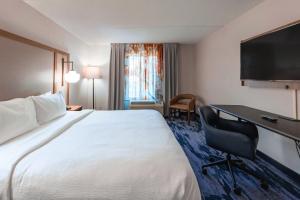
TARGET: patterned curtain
(144,72)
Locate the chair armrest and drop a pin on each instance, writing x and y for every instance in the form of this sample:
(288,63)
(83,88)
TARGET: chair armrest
(174,100)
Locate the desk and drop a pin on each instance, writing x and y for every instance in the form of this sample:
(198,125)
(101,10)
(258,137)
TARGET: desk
(287,128)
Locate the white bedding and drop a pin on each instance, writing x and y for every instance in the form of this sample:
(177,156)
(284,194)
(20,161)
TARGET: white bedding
(103,155)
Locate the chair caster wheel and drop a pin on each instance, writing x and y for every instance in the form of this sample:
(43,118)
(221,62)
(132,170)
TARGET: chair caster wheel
(264,184)
(204,171)
(237,190)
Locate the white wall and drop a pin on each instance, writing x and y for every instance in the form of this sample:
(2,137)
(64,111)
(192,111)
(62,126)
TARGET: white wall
(98,56)
(19,18)
(187,62)
(218,70)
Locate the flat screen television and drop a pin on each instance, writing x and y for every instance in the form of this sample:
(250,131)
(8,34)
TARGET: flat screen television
(272,57)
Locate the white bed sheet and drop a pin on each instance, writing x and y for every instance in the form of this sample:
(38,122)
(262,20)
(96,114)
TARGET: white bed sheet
(115,155)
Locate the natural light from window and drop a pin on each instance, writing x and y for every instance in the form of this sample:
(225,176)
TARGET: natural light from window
(142,77)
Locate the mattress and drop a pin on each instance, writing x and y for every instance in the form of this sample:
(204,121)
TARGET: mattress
(99,155)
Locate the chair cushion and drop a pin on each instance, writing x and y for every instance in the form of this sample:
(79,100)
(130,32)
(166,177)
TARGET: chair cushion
(184,101)
(180,106)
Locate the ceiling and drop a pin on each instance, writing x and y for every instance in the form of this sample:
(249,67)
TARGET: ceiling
(127,21)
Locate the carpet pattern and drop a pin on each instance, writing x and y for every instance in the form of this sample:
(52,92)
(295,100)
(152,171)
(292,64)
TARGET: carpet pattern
(217,184)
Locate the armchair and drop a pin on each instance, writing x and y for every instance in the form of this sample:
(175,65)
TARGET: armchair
(183,102)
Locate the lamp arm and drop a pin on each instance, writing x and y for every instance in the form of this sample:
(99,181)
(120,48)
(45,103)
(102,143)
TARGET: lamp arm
(68,62)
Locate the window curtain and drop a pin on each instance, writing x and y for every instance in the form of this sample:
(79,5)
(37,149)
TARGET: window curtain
(170,56)
(144,72)
(116,78)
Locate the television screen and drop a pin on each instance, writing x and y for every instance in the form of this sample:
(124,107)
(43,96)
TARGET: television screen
(274,56)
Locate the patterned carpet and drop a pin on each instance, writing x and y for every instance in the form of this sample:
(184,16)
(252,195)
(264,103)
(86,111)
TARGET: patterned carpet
(217,184)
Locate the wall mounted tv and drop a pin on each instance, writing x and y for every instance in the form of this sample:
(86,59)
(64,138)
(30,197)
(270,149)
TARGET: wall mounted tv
(272,57)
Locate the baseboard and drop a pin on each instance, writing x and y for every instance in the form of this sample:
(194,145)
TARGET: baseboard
(290,173)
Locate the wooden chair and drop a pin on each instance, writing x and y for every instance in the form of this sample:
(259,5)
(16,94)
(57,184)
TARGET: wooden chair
(183,102)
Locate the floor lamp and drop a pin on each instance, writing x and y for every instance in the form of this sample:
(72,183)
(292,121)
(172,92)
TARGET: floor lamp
(92,73)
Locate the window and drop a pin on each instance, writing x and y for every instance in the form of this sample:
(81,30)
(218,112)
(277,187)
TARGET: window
(142,78)
(143,72)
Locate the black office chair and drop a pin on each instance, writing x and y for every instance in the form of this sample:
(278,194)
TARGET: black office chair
(233,138)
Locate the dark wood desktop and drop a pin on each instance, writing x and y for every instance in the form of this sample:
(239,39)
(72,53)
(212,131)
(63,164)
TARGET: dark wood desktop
(285,127)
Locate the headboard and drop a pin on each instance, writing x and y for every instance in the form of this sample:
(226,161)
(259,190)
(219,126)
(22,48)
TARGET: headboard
(30,68)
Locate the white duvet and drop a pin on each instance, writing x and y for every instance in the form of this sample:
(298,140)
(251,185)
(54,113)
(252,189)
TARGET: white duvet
(103,155)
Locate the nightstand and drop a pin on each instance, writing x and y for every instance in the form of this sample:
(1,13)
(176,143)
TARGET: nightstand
(74,108)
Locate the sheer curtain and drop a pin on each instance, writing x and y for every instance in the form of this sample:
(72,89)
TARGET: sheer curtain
(143,72)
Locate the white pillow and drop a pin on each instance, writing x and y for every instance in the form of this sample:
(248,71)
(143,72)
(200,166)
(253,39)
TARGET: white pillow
(49,107)
(47,93)
(17,116)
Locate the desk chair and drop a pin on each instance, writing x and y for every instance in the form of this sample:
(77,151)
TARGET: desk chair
(233,138)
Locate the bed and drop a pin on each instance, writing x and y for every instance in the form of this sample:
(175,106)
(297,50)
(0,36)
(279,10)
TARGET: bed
(86,155)
(98,155)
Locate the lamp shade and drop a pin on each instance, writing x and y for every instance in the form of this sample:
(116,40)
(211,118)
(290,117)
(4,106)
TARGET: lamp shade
(92,72)
(72,76)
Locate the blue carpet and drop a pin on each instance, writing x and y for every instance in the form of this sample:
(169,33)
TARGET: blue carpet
(217,184)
